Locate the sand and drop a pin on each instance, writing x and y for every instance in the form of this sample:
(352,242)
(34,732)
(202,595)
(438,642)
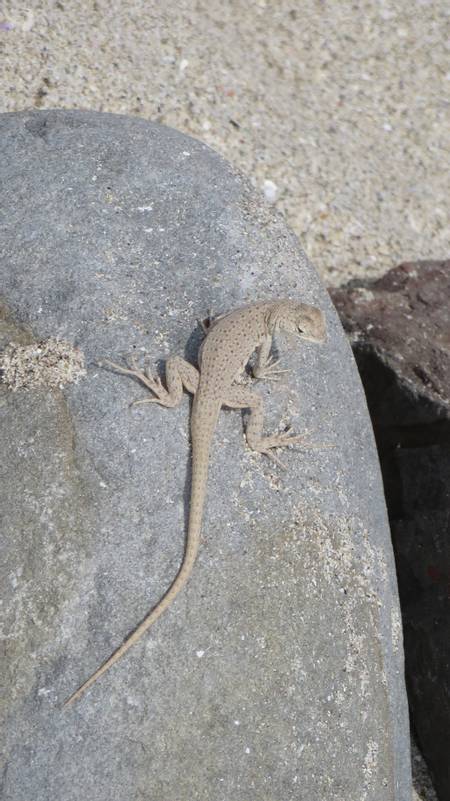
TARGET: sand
(338,111)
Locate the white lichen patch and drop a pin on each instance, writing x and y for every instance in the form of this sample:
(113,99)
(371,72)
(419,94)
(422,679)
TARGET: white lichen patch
(345,559)
(371,759)
(396,628)
(48,363)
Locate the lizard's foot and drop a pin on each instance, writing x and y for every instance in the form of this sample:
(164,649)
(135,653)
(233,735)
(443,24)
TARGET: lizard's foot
(276,441)
(282,440)
(179,374)
(145,377)
(268,370)
(265,445)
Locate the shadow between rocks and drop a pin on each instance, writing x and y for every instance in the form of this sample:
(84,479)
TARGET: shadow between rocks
(399,327)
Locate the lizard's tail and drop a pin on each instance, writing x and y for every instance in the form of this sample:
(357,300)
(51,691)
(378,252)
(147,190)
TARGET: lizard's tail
(198,486)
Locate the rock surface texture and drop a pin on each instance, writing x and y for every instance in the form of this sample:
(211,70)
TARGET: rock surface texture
(400,332)
(278,673)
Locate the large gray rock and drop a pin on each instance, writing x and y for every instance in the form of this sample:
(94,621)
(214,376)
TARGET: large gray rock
(278,673)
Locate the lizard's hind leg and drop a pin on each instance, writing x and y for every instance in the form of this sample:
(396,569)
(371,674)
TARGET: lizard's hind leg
(179,374)
(244,398)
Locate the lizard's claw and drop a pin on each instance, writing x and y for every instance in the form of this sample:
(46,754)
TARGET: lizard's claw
(118,368)
(282,440)
(274,458)
(268,371)
(143,400)
(144,376)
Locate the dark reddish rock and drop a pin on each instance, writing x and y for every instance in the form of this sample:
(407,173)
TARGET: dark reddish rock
(399,327)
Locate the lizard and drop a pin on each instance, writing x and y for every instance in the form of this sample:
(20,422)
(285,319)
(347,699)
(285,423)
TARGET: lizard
(230,341)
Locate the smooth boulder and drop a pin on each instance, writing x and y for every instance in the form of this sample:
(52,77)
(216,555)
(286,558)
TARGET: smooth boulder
(278,673)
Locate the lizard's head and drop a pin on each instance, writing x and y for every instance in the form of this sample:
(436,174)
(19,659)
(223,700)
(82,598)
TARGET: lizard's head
(306,321)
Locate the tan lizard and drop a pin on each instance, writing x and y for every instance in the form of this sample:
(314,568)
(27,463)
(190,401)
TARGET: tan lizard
(230,341)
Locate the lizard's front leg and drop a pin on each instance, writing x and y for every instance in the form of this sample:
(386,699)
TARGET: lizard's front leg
(266,365)
(244,398)
(179,374)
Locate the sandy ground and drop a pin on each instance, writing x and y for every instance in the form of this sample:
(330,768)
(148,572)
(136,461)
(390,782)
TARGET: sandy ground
(338,111)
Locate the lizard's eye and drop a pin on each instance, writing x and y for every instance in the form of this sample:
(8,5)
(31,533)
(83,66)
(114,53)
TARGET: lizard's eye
(300,330)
